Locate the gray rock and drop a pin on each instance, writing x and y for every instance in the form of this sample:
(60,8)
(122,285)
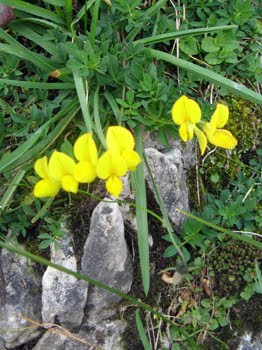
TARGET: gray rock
(23,300)
(105,336)
(187,149)
(247,343)
(106,258)
(170,179)
(63,295)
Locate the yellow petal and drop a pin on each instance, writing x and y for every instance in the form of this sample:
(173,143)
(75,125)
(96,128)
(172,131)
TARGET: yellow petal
(104,167)
(84,172)
(186,110)
(183,132)
(132,159)
(41,167)
(202,140)
(111,163)
(220,116)
(60,164)
(46,188)
(222,138)
(190,130)
(114,185)
(85,149)
(118,164)
(119,139)
(69,184)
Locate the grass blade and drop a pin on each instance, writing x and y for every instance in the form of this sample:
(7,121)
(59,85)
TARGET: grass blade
(178,34)
(34,10)
(11,189)
(98,126)
(7,160)
(142,332)
(38,85)
(141,215)
(208,75)
(69,12)
(151,11)
(234,235)
(94,22)
(114,106)
(81,93)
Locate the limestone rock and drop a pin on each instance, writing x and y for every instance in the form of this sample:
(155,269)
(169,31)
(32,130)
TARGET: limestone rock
(169,176)
(247,343)
(105,336)
(187,149)
(23,300)
(106,258)
(63,295)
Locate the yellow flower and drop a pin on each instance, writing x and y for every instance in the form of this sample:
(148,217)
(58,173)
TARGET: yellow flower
(118,159)
(220,137)
(186,113)
(56,173)
(45,187)
(86,153)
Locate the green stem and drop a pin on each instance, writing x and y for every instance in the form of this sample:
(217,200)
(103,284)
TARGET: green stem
(94,22)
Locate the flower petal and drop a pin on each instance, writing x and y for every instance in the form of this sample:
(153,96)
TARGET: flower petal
(41,167)
(132,159)
(46,188)
(220,116)
(119,139)
(60,164)
(202,140)
(69,184)
(118,163)
(114,185)
(84,172)
(104,167)
(183,132)
(85,149)
(186,110)
(222,138)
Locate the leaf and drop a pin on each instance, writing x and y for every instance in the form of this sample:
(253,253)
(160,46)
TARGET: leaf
(141,331)
(208,44)
(189,46)
(44,244)
(213,58)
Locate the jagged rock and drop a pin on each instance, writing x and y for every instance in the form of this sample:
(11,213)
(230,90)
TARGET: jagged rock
(187,149)
(23,300)
(247,343)
(169,176)
(106,258)
(105,336)
(63,295)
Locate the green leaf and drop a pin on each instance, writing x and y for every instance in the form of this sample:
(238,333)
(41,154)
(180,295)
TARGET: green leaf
(209,75)
(44,244)
(213,58)
(141,215)
(215,178)
(180,34)
(189,46)
(34,10)
(208,44)
(142,332)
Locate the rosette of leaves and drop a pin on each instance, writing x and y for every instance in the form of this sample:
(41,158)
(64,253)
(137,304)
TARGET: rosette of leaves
(221,48)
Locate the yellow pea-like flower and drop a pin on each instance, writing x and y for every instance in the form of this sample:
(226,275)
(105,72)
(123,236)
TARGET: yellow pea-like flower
(220,137)
(86,153)
(56,173)
(187,113)
(118,159)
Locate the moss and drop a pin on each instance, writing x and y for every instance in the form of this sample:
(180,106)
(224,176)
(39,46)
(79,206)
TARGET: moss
(244,123)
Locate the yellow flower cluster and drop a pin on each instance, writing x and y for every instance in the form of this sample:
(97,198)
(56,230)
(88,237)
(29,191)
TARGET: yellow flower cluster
(63,172)
(187,113)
